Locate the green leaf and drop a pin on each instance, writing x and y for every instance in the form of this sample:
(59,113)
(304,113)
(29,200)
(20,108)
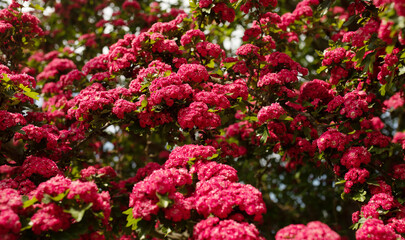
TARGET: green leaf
(401,71)
(373,184)
(78,213)
(33,95)
(211,64)
(340,182)
(46,199)
(213,156)
(285,117)
(59,197)
(28,202)
(5,77)
(164,200)
(229,64)
(382,89)
(342,195)
(389,49)
(37,7)
(128,211)
(321,69)
(265,135)
(360,196)
(131,221)
(359,56)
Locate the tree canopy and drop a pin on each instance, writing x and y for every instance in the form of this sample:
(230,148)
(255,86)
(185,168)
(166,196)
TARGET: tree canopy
(212,119)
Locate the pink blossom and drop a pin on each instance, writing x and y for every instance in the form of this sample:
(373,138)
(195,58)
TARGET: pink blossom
(53,187)
(355,156)
(355,175)
(213,228)
(219,197)
(213,170)
(181,155)
(197,115)
(39,165)
(374,229)
(274,111)
(10,224)
(193,35)
(50,217)
(332,139)
(193,73)
(313,230)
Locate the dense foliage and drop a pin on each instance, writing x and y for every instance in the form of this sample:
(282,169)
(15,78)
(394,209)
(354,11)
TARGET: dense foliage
(124,119)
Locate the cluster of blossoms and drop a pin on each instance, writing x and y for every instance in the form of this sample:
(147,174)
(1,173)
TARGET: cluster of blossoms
(16,25)
(51,216)
(332,139)
(274,111)
(355,156)
(56,141)
(216,191)
(8,120)
(81,192)
(353,176)
(10,205)
(214,228)
(313,230)
(170,79)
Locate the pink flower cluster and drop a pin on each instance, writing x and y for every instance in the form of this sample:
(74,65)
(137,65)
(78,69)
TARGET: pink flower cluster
(303,9)
(355,104)
(192,36)
(380,200)
(55,67)
(374,229)
(39,165)
(316,91)
(212,99)
(93,98)
(355,156)
(333,56)
(193,73)
(82,192)
(206,170)
(213,228)
(281,78)
(332,139)
(399,171)
(220,197)
(122,106)
(274,111)
(10,224)
(357,38)
(353,176)
(197,115)
(181,155)
(280,59)
(225,12)
(50,217)
(104,172)
(143,198)
(56,140)
(209,50)
(216,191)
(168,89)
(248,51)
(395,101)
(233,90)
(26,24)
(8,120)
(313,230)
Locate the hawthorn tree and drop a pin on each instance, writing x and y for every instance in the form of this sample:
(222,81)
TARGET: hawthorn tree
(124,119)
